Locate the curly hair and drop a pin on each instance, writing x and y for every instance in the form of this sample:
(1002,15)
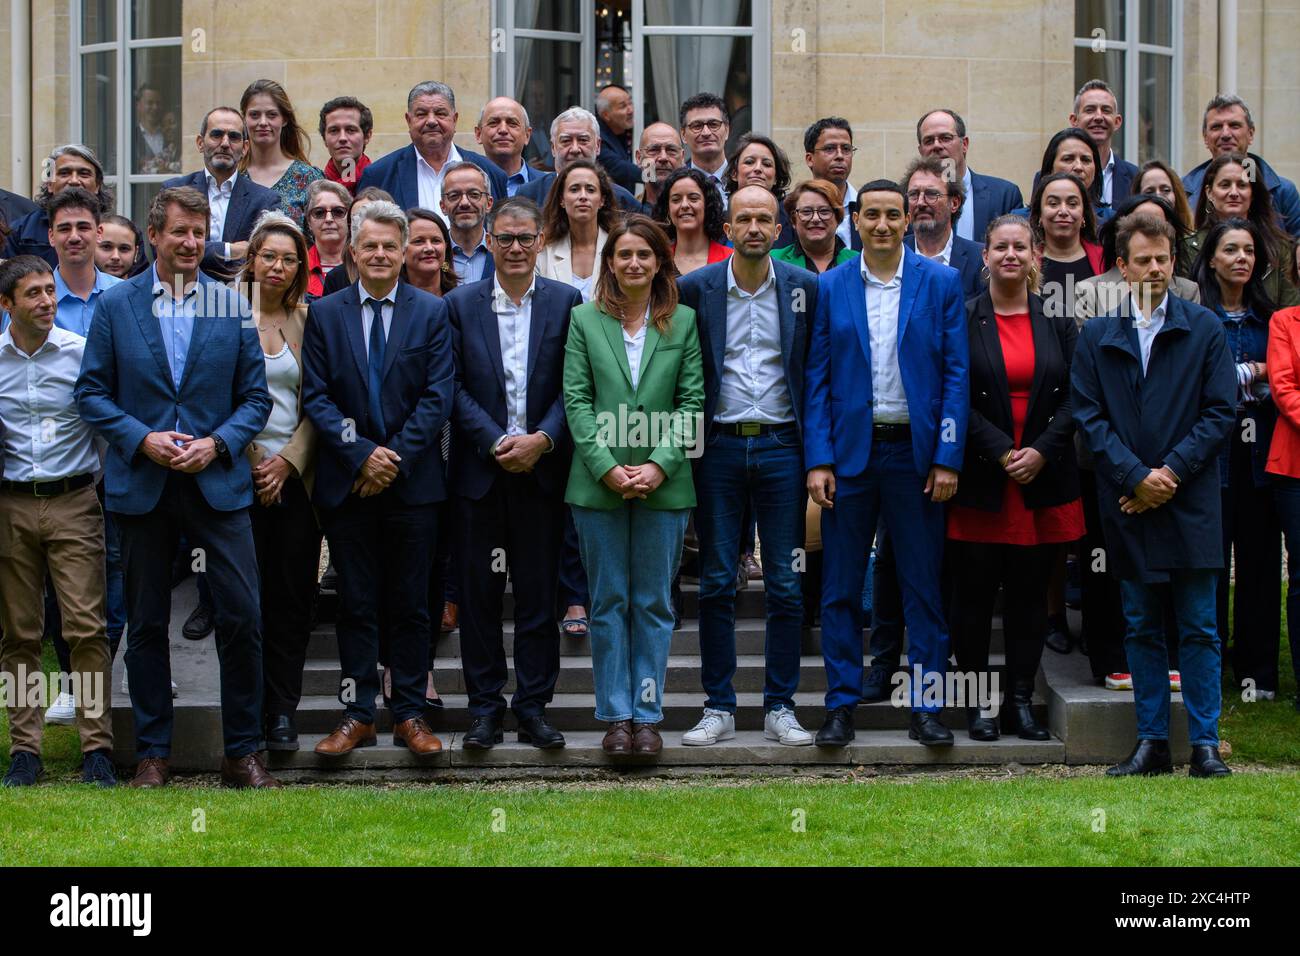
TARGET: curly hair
(714,216)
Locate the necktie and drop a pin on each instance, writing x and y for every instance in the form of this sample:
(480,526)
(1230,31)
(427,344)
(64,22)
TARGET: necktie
(377,368)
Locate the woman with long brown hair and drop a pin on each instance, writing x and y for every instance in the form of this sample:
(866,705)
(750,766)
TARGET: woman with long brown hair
(278,146)
(576,220)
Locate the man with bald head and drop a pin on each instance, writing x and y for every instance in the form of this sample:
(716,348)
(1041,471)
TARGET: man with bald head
(659,153)
(942,133)
(615,116)
(753,316)
(575,134)
(504,131)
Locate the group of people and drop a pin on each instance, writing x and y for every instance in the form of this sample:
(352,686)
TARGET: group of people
(457,369)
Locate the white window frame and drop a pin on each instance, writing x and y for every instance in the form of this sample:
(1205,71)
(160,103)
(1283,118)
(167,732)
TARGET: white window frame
(124,45)
(1133,50)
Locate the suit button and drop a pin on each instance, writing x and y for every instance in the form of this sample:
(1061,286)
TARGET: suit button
(984,394)
(640,408)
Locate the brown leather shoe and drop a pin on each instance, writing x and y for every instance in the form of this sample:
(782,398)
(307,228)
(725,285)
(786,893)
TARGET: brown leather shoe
(618,739)
(247,772)
(646,741)
(415,735)
(753,570)
(450,617)
(348,735)
(151,772)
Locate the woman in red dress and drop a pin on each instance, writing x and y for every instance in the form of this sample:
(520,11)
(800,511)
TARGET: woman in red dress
(1018,498)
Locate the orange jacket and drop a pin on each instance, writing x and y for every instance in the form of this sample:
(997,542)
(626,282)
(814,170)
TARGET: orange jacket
(1284,382)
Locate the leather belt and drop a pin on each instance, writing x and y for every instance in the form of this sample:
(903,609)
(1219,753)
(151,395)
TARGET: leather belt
(750,429)
(891,431)
(47,489)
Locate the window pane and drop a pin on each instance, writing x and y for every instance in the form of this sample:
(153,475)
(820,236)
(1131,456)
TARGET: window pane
(1155,108)
(548,76)
(98,21)
(698,13)
(99,107)
(141,196)
(151,19)
(1108,66)
(156,106)
(677,67)
(613,44)
(1157,22)
(563,15)
(1105,15)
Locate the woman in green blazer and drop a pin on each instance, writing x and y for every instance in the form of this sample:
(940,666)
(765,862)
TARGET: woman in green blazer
(634,397)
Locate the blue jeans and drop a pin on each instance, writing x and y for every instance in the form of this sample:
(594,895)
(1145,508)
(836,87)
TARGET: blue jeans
(767,470)
(631,554)
(1286,493)
(1199,655)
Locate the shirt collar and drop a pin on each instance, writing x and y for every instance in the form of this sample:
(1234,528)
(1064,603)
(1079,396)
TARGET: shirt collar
(720,174)
(453,156)
(367,297)
(481,247)
(734,289)
(55,340)
(160,289)
(1157,314)
(501,299)
(227,187)
(61,290)
(872,280)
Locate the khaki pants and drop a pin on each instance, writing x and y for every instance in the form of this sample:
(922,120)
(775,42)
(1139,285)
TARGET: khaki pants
(64,536)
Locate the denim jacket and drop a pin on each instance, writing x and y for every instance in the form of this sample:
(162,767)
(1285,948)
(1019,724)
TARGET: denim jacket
(1248,342)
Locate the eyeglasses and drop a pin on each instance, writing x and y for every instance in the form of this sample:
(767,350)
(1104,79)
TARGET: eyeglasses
(944,139)
(929,195)
(507,239)
(269,259)
(712,125)
(474,196)
(834,149)
(329,212)
(808,215)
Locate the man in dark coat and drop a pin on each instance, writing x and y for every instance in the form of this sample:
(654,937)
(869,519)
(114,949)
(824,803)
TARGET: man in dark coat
(1154,390)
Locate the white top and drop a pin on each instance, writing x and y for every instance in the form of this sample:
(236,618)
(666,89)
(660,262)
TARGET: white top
(219,202)
(283,380)
(1107,178)
(367,315)
(845,228)
(555,261)
(1148,328)
(889,401)
(635,345)
(429,180)
(45,438)
(945,254)
(752,386)
(585,286)
(514,322)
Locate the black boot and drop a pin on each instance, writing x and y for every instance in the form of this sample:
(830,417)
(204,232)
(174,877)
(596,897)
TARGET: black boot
(1018,714)
(1206,762)
(1149,757)
(980,728)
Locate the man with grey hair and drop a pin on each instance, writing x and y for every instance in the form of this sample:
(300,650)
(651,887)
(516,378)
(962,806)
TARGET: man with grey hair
(615,117)
(465,204)
(378,385)
(935,204)
(504,132)
(413,174)
(575,134)
(71,165)
(1096,112)
(1228,127)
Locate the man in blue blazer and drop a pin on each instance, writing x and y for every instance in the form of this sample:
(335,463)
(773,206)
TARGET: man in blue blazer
(942,133)
(934,203)
(173,378)
(377,384)
(575,134)
(510,455)
(1096,112)
(885,407)
(752,314)
(413,174)
(236,201)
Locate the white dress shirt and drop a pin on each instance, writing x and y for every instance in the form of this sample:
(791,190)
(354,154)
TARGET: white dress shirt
(945,254)
(889,401)
(45,438)
(752,387)
(719,177)
(845,229)
(965,224)
(429,181)
(219,202)
(514,322)
(368,317)
(1107,178)
(635,345)
(1148,328)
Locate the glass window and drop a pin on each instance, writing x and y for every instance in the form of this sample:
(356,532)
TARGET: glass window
(156,109)
(678,66)
(562,15)
(1157,22)
(1155,101)
(141,196)
(548,80)
(98,21)
(153,19)
(1108,66)
(698,13)
(99,107)
(1105,15)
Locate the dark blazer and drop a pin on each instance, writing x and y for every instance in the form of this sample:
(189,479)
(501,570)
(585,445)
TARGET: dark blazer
(480,406)
(992,197)
(538,189)
(1048,428)
(126,390)
(13,206)
(417,394)
(396,175)
(1179,413)
(30,236)
(967,259)
(616,156)
(248,201)
(705,291)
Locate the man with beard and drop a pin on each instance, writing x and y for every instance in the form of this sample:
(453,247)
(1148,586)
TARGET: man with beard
(936,203)
(659,153)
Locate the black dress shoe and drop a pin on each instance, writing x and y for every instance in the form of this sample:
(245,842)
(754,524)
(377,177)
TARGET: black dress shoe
(875,686)
(980,728)
(1018,714)
(838,729)
(538,732)
(281,733)
(25,769)
(200,623)
(1149,757)
(1058,634)
(97,768)
(1206,762)
(483,733)
(929,730)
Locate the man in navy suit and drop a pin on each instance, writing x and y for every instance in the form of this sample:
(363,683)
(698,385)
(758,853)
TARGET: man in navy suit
(753,316)
(236,201)
(413,174)
(511,451)
(1096,111)
(885,407)
(934,204)
(377,384)
(614,113)
(13,206)
(68,166)
(942,133)
(575,134)
(173,378)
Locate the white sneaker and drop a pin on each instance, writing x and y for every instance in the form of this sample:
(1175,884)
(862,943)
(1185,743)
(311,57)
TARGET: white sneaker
(782,726)
(1259,695)
(715,725)
(63,710)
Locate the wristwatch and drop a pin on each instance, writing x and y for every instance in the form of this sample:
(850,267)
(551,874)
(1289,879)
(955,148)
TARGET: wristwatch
(220,444)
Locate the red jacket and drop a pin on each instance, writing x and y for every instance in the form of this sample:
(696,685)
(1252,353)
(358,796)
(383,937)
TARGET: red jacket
(1284,382)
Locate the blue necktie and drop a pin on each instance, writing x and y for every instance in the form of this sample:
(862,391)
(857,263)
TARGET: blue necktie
(377,368)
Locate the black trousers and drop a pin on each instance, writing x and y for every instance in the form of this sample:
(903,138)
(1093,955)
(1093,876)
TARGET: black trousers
(443,583)
(518,526)
(1103,612)
(382,549)
(287,540)
(149,544)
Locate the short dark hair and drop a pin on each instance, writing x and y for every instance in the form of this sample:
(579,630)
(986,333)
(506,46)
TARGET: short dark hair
(73,198)
(702,101)
(18,268)
(188,198)
(814,132)
(1224,101)
(203,127)
(1142,224)
(1091,85)
(1125,208)
(1054,147)
(882,186)
(956,118)
(936,167)
(348,103)
(514,206)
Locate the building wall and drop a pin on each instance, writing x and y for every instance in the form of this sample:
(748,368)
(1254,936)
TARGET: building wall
(1268,71)
(6,104)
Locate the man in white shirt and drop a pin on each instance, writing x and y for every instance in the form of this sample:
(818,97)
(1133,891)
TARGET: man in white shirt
(705,126)
(828,151)
(53,523)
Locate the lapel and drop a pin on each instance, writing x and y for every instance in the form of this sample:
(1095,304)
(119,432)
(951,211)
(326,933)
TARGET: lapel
(911,284)
(614,337)
(647,352)
(560,260)
(992,344)
(203,323)
(142,301)
(400,327)
(232,227)
(785,310)
(857,292)
(491,334)
(537,323)
(408,180)
(353,330)
(715,298)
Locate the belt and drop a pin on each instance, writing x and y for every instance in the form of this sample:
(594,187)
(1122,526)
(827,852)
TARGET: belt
(750,429)
(47,489)
(891,431)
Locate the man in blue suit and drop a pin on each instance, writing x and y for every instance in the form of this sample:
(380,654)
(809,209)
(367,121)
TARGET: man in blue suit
(614,113)
(413,174)
(511,453)
(173,378)
(942,133)
(377,384)
(71,166)
(575,134)
(1096,111)
(235,200)
(885,408)
(934,203)
(753,315)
